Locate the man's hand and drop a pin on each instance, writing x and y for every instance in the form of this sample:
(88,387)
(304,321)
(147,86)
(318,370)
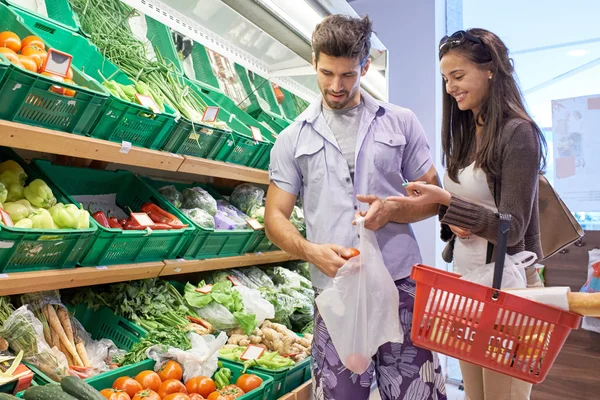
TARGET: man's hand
(378,214)
(460,232)
(329,258)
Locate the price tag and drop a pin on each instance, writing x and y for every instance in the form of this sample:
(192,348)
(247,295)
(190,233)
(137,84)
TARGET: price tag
(235,280)
(254,224)
(256,135)
(3,276)
(147,101)
(194,136)
(206,289)
(102,267)
(6,244)
(142,218)
(210,114)
(125,147)
(57,63)
(252,353)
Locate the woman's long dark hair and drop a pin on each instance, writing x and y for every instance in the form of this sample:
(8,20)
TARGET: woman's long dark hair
(504,102)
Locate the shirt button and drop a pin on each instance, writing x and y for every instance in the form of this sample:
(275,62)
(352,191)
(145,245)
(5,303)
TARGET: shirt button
(348,180)
(391,141)
(356,207)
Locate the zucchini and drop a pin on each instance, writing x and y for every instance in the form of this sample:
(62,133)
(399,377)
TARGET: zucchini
(48,392)
(6,396)
(80,389)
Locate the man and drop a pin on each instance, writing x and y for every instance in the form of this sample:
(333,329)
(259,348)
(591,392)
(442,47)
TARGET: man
(344,145)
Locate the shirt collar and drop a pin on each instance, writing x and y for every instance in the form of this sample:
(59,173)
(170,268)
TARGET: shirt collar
(314,109)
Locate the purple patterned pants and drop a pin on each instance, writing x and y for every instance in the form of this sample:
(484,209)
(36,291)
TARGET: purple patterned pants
(403,371)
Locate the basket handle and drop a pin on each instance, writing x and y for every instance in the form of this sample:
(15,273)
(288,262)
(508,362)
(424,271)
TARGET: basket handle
(504,221)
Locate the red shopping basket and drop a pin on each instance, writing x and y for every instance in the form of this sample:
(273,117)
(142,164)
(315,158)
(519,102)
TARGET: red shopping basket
(485,326)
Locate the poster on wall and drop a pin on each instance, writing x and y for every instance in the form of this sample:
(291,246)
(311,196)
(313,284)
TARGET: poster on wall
(576,148)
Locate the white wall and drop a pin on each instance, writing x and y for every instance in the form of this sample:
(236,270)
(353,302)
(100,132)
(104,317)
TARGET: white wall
(411,31)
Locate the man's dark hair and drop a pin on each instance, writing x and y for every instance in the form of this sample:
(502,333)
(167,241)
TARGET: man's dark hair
(343,36)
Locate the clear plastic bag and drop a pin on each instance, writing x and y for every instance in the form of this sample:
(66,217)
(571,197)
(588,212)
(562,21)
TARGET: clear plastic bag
(255,304)
(200,360)
(360,305)
(246,197)
(513,275)
(218,316)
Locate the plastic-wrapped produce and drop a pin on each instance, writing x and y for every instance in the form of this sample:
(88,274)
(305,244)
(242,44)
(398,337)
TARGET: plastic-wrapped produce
(285,277)
(172,195)
(246,197)
(233,214)
(197,197)
(200,217)
(223,222)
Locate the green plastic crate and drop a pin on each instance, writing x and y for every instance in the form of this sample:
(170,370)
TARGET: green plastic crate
(207,243)
(240,148)
(289,105)
(196,140)
(25,250)
(162,41)
(4,66)
(120,120)
(260,243)
(261,88)
(115,246)
(264,392)
(285,379)
(59,12)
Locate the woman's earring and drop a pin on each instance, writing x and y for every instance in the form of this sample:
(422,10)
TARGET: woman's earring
(490,77)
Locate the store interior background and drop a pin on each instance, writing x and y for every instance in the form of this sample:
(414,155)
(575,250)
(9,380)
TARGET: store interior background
(555,46)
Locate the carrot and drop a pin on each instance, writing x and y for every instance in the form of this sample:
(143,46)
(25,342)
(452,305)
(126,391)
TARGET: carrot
(67,354)
(55,324)
(65,320)
(83,353)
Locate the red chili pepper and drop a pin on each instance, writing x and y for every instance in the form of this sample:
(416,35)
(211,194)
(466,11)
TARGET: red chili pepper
(161,216)
(160,227)
(122,222)
(100,218)
(114,223)
(199,322)
(6,219)
(132,226)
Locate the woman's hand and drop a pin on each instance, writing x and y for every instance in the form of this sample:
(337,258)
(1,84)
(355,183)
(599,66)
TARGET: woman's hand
(422,193)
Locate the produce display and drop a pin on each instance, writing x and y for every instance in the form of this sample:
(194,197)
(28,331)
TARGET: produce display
(30,53)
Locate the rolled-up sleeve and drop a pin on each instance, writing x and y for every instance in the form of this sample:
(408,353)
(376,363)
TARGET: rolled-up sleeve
(416,159)
(284,171)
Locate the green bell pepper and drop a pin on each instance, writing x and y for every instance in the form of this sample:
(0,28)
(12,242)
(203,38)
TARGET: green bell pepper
(24,223)
(16,211)
(15,192)
(39,194)
(41,219)
(66,216)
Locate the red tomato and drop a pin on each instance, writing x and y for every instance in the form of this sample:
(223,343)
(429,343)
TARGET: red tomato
(149,380)
(196,396)
(353,253)
(230,392)
(177,396)
(127,384)
(171,386)
(112,394)
(249,382)
(146,394)
(202,385)
(170,370)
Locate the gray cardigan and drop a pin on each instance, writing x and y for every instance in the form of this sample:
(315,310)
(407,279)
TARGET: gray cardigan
(515,192)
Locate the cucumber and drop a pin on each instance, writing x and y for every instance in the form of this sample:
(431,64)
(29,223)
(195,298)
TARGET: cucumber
(6,396)
(48,392)
(80,389)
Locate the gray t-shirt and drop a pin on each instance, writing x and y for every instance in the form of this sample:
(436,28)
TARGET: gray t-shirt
(344,125)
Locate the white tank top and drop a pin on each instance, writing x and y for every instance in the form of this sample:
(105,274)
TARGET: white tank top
(470,253)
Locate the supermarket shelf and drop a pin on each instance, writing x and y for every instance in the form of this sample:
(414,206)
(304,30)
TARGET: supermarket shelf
(27,137)
(200,166)
(179,267)
(35,138)
(35,281)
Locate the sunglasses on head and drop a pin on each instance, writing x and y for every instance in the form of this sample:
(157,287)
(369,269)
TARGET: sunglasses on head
(458,38)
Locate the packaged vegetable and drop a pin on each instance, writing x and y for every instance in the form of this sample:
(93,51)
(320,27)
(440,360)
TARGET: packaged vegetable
(41,219)
(15,192)
(254,278)
(297,219)
(200,217)
(223,222)
(259,214)
(233,213)
(246,196)
(197,197)
(39,194)
(285,277)
(16,211)
(172,195)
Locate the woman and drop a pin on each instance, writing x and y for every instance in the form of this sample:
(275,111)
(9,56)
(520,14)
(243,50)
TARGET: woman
(493,152)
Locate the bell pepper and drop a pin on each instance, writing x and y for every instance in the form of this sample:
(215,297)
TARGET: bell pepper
(161,216)
(24,223)
(222,378)
(113,222)
(15,192)
(39,194)
(28,205)
(66,216)
(11,176)
(42,219)
(84,218)
(10,165)
(100,218)
(16,211)
(3,193)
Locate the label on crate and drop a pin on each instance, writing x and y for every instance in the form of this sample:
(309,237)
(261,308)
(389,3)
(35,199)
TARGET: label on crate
(235,280)
(142,219)
(3,276)
(147,101)
(256,135)
(252,352)
(254,224)
(102,267)
(125,147)
(210,114)
(194,136)
(206,289)
(6,244)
